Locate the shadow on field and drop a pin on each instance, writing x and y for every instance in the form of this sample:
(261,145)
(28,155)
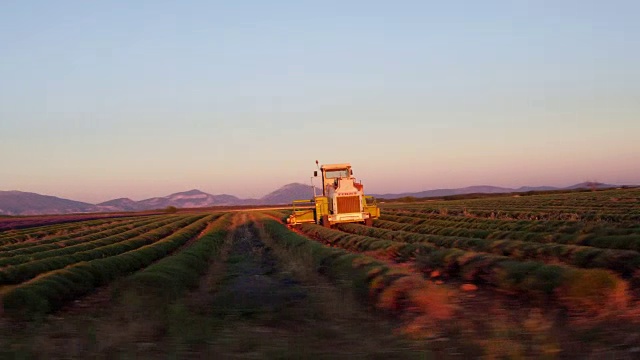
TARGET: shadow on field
(253,286)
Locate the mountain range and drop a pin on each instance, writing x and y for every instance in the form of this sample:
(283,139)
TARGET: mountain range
(26,203)
(486,189)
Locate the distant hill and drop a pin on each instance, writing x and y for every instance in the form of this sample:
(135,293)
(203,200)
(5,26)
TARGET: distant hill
(288,193)
(27,203)
(591,185)
(447,192)
(485,189)
(124,204)
(188,199)
(24,203)
(536,188)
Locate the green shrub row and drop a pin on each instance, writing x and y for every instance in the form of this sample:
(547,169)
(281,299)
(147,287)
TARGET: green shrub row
(279,214)
(61,235)
(173,275)
(474,223)
(530,278)
(502,211)
(364,275)
(419,225)
(53,289)
(82,244)
(401,251)
(582,200)
(17,236)
(42,230)
(622,242)
(71,239)
(624,262)
(564,227)
(23,272)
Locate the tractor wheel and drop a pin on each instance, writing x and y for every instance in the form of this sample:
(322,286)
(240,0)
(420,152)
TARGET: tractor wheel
(368,222)
(325,221)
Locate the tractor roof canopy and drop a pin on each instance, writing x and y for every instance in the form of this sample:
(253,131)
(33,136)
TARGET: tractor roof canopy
(331,167)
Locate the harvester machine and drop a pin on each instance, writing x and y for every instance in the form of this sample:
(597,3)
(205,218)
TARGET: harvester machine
(342,200)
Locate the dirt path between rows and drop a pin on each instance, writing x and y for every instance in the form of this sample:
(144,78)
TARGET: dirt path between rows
(272,304)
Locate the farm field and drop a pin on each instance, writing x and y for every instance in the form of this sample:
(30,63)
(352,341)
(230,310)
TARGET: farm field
(8,223)
(554,275)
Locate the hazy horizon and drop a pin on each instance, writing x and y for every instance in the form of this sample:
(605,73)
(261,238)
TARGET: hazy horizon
(396,191)
(106,100)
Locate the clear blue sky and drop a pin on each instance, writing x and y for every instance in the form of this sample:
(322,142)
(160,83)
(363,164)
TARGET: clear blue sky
(143,98)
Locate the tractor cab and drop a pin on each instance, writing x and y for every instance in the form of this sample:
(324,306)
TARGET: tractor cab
(342,200)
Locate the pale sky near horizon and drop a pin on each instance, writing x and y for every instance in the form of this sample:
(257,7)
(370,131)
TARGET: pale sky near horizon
(137,99)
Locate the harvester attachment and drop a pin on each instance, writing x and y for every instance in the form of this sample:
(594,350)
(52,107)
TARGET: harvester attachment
(303,211)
